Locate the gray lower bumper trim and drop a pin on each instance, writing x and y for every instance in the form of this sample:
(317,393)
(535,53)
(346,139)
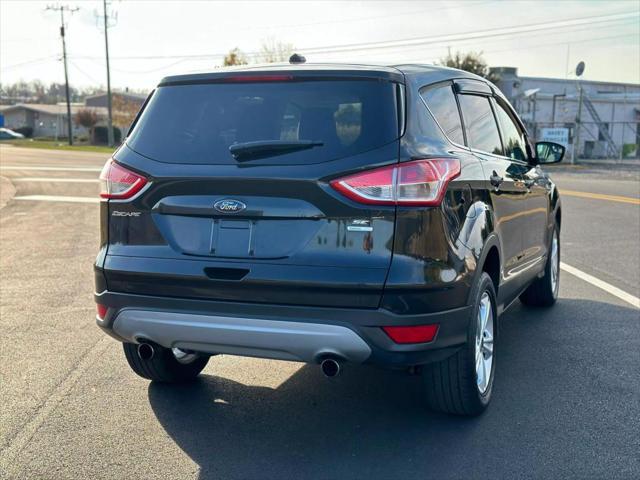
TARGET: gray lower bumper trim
(298,341)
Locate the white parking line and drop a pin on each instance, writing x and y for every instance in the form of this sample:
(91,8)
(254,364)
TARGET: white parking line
(615,291)
(58,198)
(55,180)
(51,169)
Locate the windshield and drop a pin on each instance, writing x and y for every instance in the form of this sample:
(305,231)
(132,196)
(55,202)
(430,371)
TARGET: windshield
(197,124)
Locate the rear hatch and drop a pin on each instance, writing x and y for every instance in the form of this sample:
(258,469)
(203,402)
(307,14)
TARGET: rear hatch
(238,204)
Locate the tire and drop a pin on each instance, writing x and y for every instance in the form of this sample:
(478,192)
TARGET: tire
(163,366)
(454,385)
(543,292)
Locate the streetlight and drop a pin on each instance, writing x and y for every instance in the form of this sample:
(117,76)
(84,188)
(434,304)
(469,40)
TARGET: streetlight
(576,138)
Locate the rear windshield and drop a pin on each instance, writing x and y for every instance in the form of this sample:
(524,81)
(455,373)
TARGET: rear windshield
(196,124)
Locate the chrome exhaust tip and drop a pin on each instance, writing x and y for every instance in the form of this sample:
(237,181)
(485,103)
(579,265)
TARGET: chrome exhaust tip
(146,351)
(330,367)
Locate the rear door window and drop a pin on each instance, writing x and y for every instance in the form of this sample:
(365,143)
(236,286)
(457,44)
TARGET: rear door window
(512,136)
(480,124)
(442,102)
(197,123)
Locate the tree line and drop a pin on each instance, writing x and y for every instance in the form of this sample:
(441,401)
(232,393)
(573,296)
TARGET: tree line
(273,51)
(36,91)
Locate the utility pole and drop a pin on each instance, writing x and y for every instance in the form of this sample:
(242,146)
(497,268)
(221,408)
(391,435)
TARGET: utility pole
(576,148)
(533,119)
(110,138)
(62,9)
(553,108)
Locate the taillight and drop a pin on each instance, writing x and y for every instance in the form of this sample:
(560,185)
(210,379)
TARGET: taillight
(417,183)
(118,182)
(412,333)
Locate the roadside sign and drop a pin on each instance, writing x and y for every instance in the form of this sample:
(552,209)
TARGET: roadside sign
(557,135)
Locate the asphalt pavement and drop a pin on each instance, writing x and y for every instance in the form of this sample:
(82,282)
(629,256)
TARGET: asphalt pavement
(566,399)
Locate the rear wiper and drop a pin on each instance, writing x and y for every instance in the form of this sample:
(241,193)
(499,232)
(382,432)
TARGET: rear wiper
(269,148)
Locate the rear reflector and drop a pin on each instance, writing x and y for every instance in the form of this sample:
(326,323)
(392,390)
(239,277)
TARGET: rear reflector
(102,311)
(415,183)
(118,183)
(412,334)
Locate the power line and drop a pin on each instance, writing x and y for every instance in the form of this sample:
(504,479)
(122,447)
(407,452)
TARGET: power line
(571,30)
(98,61)
(29,62)
(586,40)
(90,77)
(478,34)
(531,47)
(574,29)
(465,5)
(569,26)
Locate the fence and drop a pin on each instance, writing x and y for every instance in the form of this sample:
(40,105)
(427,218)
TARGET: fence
(590,141)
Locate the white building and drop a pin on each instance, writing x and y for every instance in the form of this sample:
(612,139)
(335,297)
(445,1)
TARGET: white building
(47,120)
(543,103)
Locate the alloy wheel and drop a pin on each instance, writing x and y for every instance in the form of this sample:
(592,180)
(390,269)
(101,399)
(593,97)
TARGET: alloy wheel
(484,343)
(555,263)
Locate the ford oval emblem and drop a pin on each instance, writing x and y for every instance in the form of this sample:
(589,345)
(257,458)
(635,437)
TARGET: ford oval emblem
(229,206)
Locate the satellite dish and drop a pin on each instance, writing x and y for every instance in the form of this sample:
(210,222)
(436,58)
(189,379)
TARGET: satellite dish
(579,69)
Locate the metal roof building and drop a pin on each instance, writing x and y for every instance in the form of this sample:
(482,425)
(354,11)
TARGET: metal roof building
(607,113)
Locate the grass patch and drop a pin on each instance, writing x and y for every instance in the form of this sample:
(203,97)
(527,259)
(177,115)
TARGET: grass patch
(58,145)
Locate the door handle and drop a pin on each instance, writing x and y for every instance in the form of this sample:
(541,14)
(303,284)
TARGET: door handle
(496,179)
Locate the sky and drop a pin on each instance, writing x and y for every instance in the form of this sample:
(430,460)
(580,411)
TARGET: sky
(151,39)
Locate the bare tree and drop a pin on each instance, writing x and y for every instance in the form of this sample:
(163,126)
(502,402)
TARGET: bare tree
(471,62)
(124,112)
(234,57)
(273,51)
(88,119)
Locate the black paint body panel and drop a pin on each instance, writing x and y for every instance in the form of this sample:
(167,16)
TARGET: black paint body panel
(290,254)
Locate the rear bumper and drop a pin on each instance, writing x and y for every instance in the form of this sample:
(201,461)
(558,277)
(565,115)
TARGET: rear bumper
(284,332)
(297,341)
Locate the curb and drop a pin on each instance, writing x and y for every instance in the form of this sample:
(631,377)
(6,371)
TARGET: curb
(7,191)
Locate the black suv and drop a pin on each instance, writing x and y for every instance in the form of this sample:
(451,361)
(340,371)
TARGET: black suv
(327,214)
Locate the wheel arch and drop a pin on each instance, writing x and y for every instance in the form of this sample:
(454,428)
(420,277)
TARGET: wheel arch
(491,266)
(490,261)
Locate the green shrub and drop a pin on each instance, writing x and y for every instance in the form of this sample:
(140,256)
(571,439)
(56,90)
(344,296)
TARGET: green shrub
(101,136)
(628,149)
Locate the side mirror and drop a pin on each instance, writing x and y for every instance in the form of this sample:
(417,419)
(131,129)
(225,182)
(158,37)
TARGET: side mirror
(549,152)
